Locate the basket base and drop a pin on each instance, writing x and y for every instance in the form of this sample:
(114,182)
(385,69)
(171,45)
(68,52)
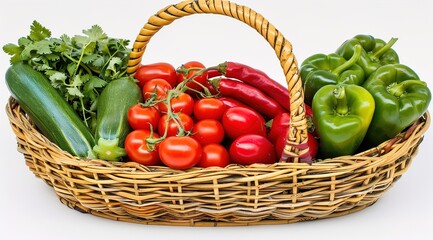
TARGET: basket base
(80,208)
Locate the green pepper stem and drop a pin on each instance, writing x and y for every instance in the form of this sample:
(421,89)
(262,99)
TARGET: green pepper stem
(400,88)
(349,63)
(340,96)
(375,57)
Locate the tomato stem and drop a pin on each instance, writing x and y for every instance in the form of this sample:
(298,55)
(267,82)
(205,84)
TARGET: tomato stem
(185,71)
(181,85)
(206,90)
(150,141)
(152,100)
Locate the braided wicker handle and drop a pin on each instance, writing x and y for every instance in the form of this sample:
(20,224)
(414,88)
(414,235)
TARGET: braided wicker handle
(296,146)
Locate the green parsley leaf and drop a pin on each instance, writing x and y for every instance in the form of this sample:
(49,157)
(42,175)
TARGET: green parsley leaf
(41,47)
(57,78)
(71,68)
(14,51)
(74,92)
(40,63)
(38,32)
(22,42)
(76,81)
(99,61)
(89,58)
(52,57)
(115,61)
(95,33)
(94,83)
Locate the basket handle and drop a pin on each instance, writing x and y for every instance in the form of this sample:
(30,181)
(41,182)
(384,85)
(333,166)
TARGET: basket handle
(296,146)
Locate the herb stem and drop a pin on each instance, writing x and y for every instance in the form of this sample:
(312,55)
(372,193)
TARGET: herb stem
(83,110)
(81,58)
(88,70)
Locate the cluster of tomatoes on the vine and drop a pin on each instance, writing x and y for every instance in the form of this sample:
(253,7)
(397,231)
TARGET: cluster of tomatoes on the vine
(183,122)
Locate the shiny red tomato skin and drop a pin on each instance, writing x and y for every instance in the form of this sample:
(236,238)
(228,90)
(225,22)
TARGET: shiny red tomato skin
(280,143)
(157,86)
(209,108)
(201,79)
(214,155)
(185,120)
(252,148)
(208,131)
(137,150)
(160,70)
(182,103)
(180,152)
(140,117)
(238,121)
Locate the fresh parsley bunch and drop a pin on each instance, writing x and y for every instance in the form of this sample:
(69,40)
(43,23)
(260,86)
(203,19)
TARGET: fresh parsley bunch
(79,66)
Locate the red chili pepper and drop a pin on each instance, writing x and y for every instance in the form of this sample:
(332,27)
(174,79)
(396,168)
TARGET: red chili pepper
(230,102)
(213,73)
(211,89)
(257,79)
(249,95)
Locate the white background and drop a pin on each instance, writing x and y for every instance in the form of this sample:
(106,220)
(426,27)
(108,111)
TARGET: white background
(30,209)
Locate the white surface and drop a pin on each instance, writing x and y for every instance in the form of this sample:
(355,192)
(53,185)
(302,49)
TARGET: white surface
(30,209)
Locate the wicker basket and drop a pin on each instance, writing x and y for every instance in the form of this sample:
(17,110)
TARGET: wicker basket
(235,195)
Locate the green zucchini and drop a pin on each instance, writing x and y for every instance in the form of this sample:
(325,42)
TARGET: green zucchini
(111,113)
(50,112)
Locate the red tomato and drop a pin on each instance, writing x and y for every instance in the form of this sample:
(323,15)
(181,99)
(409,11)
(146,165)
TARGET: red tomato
(214,155)
(157,86)
(184,121)
(208,131)
(182,103)
(280,143)
(137,150)
(160,70)
(209,108)
(280,124)
(180,152)
(238,121)
(183,73)
(252,148)
(140,117)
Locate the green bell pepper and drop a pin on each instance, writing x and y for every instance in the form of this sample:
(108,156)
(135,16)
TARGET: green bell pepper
(400,97)
(320,70)
(375,54)
(342,114)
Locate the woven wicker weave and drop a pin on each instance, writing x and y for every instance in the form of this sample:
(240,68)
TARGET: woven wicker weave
(235,195)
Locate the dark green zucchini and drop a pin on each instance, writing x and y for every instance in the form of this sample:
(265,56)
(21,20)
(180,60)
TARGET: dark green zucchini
(111,114)
(52,115)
